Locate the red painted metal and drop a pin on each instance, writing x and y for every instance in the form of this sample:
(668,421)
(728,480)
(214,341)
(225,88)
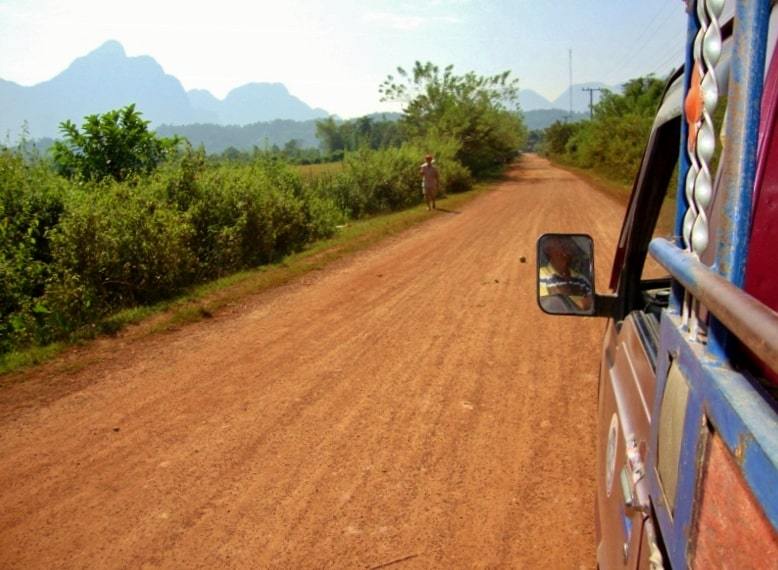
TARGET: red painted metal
(731,529)
(762,263)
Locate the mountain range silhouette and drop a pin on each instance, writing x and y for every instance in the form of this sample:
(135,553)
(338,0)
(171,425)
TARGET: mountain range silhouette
(107,79)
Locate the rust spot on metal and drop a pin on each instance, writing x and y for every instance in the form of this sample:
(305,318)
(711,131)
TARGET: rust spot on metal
(743,441)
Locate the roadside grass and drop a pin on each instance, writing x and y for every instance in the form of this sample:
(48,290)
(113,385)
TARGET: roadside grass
(203,301)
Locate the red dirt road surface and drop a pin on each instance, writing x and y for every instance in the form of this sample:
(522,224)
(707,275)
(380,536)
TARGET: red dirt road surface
(407,407)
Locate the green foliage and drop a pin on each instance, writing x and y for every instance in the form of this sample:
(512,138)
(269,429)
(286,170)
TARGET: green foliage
(384,180)
(614,140)
(337,137)
(479,112)
(115,145)
(252,215)
(75,249)
(376,181)
(556,136)
(115,248)
(640,97)
(72,253)
(31,203)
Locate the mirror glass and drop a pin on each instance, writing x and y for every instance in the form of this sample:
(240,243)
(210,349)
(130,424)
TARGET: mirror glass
(565,265)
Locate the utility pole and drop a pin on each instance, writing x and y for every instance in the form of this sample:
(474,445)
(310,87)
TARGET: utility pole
(591,91)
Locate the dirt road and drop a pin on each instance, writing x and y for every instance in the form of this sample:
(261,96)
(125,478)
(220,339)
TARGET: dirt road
(409,407)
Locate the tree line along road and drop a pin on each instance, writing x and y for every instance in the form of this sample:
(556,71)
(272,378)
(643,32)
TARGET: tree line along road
(409,407)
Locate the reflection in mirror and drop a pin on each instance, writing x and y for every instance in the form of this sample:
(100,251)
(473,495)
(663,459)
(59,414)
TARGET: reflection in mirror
(566,274)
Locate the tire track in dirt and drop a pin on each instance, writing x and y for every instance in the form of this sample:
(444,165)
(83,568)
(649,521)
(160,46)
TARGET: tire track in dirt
(410,404)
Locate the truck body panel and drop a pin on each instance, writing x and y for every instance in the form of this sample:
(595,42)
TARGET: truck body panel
(687,453)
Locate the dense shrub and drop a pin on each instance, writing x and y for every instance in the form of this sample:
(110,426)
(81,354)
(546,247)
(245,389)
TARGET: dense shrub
(556,137)
(375,181)
(455,177)
(387,179)
(613,141)
(74,251)
(31,203)
(252,215)
(115,246)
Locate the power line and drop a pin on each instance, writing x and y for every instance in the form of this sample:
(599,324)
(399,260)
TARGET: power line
(673,52)
(674,56)
(645,37)
(642,35)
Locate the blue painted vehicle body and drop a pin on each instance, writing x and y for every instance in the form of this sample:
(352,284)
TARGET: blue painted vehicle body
(693,386)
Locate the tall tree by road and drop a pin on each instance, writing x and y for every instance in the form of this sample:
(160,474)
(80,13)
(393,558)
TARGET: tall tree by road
(480,113)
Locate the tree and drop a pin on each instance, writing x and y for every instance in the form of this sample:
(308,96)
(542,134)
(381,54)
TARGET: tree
(613,141)
(640,97)
(116,144)
(557,135)
(481,113)
(330,135)
(337,137)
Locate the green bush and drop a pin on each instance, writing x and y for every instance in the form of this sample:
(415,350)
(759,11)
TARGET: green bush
(251,214)
(387,179)
(31,203)
(73,252)
(114,247)
(614,140)
(455,177)
(376,181)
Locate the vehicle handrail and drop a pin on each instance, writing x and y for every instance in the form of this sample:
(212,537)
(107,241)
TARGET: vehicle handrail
(750,320)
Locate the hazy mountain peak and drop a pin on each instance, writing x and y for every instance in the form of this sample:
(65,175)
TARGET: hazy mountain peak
(111,48)
(255,88)
(106,78)
(110,59)
(255,102)
(201,93)
(530,100)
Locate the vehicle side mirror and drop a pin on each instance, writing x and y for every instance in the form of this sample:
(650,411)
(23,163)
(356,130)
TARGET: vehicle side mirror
(565,269)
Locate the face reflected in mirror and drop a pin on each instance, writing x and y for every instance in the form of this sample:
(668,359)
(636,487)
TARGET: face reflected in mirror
(565,274)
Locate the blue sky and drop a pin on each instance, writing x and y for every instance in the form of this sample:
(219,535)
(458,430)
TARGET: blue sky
(334,54)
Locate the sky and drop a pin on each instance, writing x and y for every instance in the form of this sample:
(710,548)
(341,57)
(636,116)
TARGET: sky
(334,54)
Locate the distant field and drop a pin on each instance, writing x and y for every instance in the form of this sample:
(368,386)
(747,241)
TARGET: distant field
(315,170)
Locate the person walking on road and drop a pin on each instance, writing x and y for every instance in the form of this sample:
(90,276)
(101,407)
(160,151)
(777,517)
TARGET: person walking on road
(429,181)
